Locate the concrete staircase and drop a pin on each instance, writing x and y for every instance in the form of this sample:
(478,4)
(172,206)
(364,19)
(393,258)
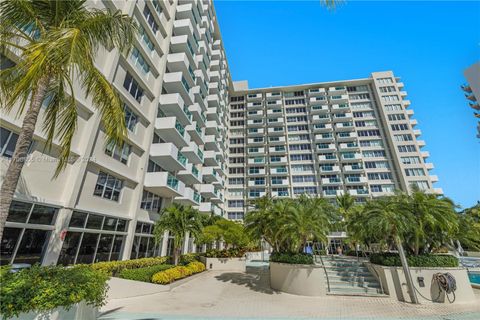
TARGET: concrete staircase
(349,276)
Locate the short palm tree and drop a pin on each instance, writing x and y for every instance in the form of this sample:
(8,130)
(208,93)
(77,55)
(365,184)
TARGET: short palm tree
(56,42)
(178,220)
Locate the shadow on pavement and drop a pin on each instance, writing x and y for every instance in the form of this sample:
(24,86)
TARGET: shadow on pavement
(256,279)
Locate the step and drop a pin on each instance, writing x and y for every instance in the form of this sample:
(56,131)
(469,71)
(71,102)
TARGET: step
(346,284)
(350,274)
(354,290)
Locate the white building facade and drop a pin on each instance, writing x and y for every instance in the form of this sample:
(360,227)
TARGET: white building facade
(197,138)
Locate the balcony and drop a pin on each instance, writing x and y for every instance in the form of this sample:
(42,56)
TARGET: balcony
(434,178)
(256,141)
(255,114)
(319,109)
(185,27)
(276,140)
(213,114)
(278,160)
(213,101)
(421,143)
(429,165)
(344,126)
(279,182)
(326,137)
(210,159)
(256,160)
(255,131)
(172,105)
(255,122)
(280,194)
(322,127)
(346,136)
(274,113)
(425,154)
(193,153)
(413,122)
(279,170)
(331,181)
(254,97)
(351,146)
(274,104)
(196,133)
(163,184)
(322,118)
(327,158)
(317,92)
(255,194)
(177,82)
(276,130)
(208,190)
(341,98)
(170,130)
(340,117)
(197,114)
(343,107)
(337,90)
(351,157)
(277,149)
(168,156)
(318,100)
(190,197)
(256,183)
(275,122)
(190,175)
(327,147)
(273,95)
(254,105)
(210,175)
(417,132)
(256,151)
(358,192)
(409,112)
(355,180)
(330,169)
(208,207)
(352,168)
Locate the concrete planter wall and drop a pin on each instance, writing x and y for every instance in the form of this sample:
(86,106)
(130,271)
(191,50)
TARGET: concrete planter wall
(258,255)
(80,311)
(299,279)
(224,264)
(394,282)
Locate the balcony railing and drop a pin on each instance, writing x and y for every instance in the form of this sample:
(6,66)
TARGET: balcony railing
(172,182)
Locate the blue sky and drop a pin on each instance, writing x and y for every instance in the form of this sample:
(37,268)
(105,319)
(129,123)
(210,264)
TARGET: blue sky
(427,44)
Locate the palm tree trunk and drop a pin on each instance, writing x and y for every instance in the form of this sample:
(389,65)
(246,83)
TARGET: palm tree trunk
(10,180)
(406,271)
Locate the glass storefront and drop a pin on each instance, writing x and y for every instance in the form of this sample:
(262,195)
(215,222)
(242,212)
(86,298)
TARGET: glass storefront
(27,232)
(144,242)
(93,238)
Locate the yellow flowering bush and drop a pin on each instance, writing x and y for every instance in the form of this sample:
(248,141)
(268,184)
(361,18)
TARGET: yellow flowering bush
(113,268)
(176,273)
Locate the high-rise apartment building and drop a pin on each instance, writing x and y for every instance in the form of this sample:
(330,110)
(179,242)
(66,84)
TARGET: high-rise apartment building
(197,138)
(472,90)
(325,139)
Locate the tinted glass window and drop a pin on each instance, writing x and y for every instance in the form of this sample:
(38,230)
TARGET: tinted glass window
(19,211)
(104,247)
(109,224)
(43,215)
(31,247)
(87,248)
(117,247)
(69,248)
(94,221)
(122,225)
(136,244)
(78,219)
(9,241)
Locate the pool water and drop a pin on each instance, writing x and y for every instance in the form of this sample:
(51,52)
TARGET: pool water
(474,277)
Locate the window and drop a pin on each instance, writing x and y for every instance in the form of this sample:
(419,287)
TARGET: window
(296,147)
(382,188)
(379,176)
(402,137)
(307,190)
(8,141)
(277,180)
(146,39)
(396,117)
(294,102)
(393,107)
(119,153)
(240,170)
(151,201)
(415,172)
(296,110)
(410,160)
(235,215)
(298,128)
(407,148)
(388,89)
(384,80)
(371,143)
(235,192)
(154,167)
(131,118)
(368,133)
(235,203)
(374,154)
(150,19)
(132,86)
(235,181)
(389,98)
(360,105)
(108,187)
(359,96)
(300,157)
(302,168)
(399,127)
(422,185)
(376,165)
(302,179)
(297,119)
(139,61)
(237,141)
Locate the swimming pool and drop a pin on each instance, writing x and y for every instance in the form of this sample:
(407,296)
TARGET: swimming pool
(474,277)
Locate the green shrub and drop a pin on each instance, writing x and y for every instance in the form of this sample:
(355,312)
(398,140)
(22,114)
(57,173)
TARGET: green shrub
(143,274)
(427,260)
(189,257)
(115,267)
(292,258)
(176,273)
(41,289)
(226,253)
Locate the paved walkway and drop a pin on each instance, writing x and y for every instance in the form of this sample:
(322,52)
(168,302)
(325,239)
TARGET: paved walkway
(234,295)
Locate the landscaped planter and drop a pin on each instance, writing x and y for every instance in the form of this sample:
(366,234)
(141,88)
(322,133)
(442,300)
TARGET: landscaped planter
(300,279)
(80,311)
(224,264)
(393,282)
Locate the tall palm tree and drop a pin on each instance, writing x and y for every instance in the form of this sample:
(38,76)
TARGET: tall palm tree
(56,42)
(178,220)
(469,228)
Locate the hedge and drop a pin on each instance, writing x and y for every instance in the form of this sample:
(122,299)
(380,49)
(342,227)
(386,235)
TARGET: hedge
(41,289)
(176,273)
(143,274)
(226,253)
(189,257)
(426,260)
(292,258)
(113,268)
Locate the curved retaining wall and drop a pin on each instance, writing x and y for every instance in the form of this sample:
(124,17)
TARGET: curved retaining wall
(299,279)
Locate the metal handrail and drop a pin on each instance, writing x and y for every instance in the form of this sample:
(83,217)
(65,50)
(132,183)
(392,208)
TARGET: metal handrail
(376,273)
(323,265)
